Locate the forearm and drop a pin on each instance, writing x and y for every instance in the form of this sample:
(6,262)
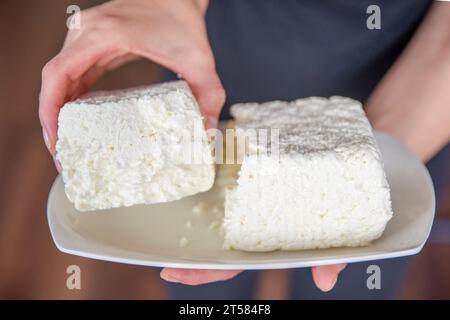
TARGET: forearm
(412,102)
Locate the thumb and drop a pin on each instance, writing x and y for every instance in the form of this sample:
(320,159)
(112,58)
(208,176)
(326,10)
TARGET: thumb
(325,277)
(210,94)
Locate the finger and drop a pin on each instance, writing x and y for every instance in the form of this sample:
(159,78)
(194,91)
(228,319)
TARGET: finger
(196,277)
(59,76)
(197,67)
(325,277)
(114,62)
(82,85)
(55,84)
(105,64)
(199,70)
(209,93)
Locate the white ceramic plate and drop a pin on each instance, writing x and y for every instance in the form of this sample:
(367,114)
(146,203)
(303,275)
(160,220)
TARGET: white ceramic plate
(150,235)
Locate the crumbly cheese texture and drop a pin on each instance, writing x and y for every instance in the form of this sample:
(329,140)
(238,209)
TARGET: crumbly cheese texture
(327,187)
(127,147)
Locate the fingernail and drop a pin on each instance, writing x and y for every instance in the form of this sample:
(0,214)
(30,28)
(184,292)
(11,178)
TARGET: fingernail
(57,164)
(46,140)
(332,285)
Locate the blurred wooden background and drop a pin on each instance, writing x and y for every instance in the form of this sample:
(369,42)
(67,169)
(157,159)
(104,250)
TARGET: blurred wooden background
(31,267)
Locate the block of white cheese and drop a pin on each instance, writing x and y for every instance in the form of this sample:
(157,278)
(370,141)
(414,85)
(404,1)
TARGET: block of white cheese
(326,186)
(127,147)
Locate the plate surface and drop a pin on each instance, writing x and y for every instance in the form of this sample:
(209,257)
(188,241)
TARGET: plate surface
(175,235)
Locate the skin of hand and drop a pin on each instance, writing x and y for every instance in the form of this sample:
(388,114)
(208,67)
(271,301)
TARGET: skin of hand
(412,102)
(120,31)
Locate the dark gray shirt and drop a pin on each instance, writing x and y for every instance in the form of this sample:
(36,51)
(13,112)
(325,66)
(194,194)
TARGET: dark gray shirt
(287,49)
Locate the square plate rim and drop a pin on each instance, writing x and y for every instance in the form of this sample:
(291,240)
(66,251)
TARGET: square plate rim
(218,265)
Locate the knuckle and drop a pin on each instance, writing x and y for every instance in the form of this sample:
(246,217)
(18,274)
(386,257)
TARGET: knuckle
(49,69)
(100,21)
(193,55)
(220,94)
(106,27)
(217,93)
(206,59)
(41,114)
(109,22)
(52,67)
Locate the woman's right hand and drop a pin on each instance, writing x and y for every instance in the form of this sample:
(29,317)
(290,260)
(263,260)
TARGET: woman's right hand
(123,30)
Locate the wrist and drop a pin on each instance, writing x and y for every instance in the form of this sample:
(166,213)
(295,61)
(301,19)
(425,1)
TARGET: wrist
(416,128)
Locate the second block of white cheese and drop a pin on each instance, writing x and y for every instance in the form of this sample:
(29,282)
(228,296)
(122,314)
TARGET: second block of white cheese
(126,147)
(325,188)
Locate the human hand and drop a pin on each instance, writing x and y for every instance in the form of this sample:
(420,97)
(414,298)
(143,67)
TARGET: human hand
(411,103)
(120,31)
(324,277)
